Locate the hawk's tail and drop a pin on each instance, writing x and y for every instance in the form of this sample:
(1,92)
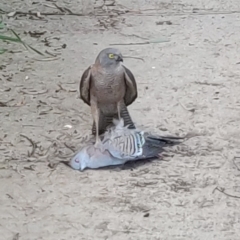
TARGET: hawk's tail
(127,118)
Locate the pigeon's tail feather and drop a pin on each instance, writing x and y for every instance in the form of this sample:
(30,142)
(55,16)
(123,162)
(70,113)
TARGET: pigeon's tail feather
(154,145)
(165,139)
(127,118)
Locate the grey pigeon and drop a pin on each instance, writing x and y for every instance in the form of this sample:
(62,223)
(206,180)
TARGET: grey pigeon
(108,87)
(120,145)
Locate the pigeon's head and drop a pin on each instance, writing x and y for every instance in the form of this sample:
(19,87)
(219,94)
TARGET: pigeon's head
(109,57)
(79,161)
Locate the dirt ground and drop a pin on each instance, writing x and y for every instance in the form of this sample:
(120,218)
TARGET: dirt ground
(187,84)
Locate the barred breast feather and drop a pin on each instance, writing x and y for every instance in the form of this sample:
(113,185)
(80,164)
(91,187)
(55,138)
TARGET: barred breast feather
(124,143)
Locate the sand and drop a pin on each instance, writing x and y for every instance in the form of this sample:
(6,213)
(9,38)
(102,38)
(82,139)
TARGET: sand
(189,84)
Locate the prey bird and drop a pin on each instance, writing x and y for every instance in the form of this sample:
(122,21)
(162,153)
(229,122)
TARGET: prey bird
(108,87)
(120,145)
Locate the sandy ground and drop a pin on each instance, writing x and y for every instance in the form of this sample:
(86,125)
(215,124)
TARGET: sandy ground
(189,84)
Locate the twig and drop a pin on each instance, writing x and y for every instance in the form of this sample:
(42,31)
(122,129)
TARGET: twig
(68,10)
(183,13)
(51,54)
(46,111)
(222,190)
(60,88)
(134,58)
(113,3)
(53,167)
(69,147)
(70,13)
(34,93)
(31,167)
(63,9)
(47,59)
(16,236)
(142,43)
(9,196)
(188,109)
(48,14)
(133,35)
(34,145)
(125,44)
(209,84)
(60,8)
(235,163)
(31,125)
(63,89)
(50,6)
(121,12)
(5,104)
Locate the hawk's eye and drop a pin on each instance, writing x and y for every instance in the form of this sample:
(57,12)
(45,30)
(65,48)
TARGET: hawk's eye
(111,55)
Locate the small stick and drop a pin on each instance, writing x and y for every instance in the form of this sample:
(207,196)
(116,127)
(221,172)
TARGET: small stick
(71,148)
(209,84)
(48,14)
(140,43)
(46,5)
(16,236)
(222,190)
(34,93)
(47,59)
(51,54)
(125,44)
(134,58)
(188,109)
(34,145)
(2,104)
(60,8)
(235,163)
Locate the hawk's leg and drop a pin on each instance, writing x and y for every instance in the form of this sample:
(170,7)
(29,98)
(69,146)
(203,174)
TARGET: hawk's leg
(119,107)
(95,114)
(103,123)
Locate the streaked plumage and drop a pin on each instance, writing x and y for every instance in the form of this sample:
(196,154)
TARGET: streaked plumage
(108,87)
(119,145)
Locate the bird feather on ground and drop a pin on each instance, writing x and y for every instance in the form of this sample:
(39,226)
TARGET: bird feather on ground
(120,145)
(108,87)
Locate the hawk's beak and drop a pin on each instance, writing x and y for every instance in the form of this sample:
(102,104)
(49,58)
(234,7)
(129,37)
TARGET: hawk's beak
(119,59)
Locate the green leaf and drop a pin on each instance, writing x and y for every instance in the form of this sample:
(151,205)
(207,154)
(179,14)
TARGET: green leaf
(16,35)
(18,40)
(25,44)
(2,26)
(2,51)
(11,39)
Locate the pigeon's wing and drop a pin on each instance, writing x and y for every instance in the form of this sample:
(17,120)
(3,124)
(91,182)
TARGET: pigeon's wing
(130,144)
(85,85)
(125,144)
(131,87)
